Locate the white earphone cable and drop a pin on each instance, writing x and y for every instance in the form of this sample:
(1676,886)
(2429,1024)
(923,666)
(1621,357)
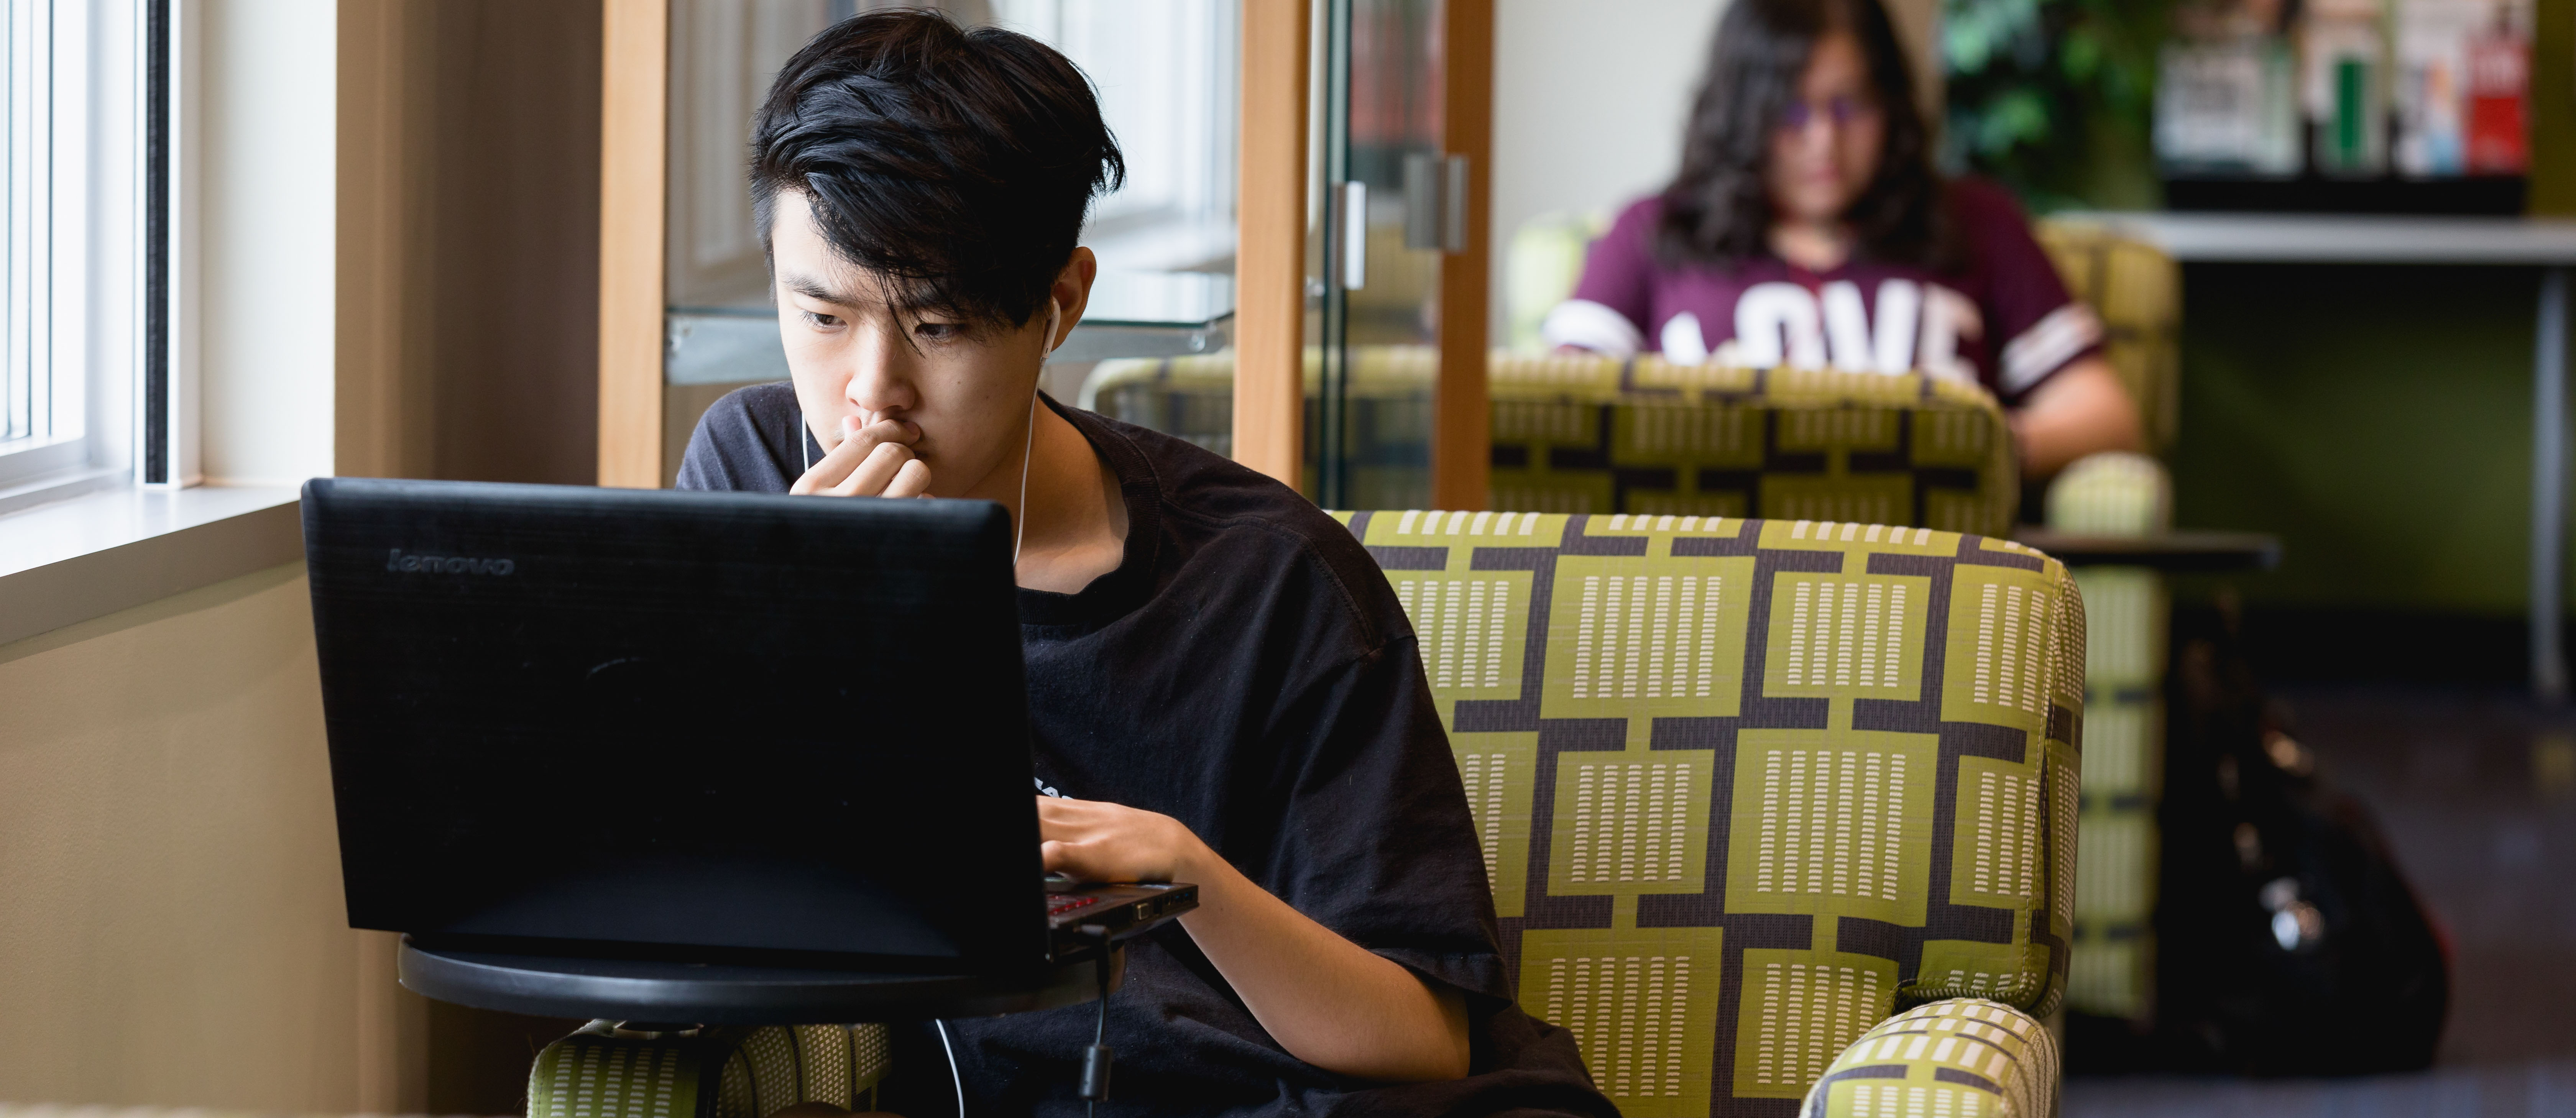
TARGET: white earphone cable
(954,1080)
(1020,518)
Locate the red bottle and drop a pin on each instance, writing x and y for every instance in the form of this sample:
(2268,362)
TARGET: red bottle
(2499,85)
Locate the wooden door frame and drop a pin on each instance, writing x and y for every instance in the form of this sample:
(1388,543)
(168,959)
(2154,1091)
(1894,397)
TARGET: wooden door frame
(1270,246)
(635,69)
(1270,266)
(1462,437)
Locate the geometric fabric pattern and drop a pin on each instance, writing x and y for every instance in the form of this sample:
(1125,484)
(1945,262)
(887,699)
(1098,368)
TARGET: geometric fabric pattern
(2115,895)
(1745,788)
(1584,434)
(2118,494)
(1963,1058)
(1577,433)
(600,1071)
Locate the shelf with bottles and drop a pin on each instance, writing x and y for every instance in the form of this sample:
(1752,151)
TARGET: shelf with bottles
(2391,106)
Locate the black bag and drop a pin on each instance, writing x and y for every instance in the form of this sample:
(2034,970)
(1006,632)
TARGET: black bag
(2288,942)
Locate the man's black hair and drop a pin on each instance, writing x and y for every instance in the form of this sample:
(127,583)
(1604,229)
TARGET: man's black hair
(956,165)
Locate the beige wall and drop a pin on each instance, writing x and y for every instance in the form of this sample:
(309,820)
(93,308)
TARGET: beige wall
(469,239)
(171,929)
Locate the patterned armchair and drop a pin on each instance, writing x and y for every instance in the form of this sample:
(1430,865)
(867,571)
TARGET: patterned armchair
(1749,789)
(1575,434)
(2115,946)
(602,1071)
(2137,291)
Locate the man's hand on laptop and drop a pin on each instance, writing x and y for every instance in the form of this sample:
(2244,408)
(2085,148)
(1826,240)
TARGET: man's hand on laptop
(1094,840)
(1326,1000)
(873,459)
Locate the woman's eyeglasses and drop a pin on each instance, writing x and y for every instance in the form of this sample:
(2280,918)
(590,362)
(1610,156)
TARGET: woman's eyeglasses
(1842,111)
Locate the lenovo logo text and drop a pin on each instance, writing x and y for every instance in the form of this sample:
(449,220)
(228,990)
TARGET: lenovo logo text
(447,564)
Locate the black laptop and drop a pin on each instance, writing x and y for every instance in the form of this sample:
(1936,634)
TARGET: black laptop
(692,726)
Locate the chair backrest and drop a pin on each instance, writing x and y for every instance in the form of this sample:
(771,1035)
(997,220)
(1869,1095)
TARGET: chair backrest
(1746,787)
(2137,291)
(1582,434)
(1576,433)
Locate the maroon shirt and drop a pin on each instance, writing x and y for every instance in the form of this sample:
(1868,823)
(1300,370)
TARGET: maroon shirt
(2000,318)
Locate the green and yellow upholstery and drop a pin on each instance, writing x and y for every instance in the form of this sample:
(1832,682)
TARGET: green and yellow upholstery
(1746,788)
(2117,494)
(1575,433)
(602,1071)
(1586,434)
(2114,965)
(1963,1057)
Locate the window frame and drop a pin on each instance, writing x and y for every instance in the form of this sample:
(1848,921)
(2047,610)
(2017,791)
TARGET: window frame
(112,77)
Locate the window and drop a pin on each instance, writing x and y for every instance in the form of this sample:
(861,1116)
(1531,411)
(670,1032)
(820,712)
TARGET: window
(43,410)
(67,184)
(1166,74)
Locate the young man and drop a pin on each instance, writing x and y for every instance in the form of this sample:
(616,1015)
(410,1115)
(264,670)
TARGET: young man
(1222,687)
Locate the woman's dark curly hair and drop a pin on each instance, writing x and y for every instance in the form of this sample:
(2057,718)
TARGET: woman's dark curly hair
(1718,209)
(955,165)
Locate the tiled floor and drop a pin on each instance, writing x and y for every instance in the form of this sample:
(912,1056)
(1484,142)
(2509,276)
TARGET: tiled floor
(2477,793)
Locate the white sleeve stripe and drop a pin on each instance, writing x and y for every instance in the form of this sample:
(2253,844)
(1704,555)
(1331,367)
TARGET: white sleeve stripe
(2048,344)
(1592,326)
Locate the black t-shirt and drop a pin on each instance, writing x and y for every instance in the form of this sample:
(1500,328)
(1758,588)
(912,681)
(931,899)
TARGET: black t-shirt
(1247,671)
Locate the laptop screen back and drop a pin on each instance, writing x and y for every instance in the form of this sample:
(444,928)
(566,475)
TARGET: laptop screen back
(695,721)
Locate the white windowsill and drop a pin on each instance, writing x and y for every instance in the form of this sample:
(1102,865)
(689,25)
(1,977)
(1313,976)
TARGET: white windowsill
(68,561)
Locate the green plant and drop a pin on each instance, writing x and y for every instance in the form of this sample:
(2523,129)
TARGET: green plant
(2054,98)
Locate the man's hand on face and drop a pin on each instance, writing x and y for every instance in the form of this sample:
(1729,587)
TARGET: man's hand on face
(873,460)
(1093,840)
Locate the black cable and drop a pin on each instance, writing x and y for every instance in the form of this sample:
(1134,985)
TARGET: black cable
(1095,1059)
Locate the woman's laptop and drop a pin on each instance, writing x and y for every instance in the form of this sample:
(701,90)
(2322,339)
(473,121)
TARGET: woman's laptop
(696,726)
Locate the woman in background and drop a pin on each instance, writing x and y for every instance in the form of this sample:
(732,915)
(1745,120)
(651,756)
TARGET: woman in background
(1807,228)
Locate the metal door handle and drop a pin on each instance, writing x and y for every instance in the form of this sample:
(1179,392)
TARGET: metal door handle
(1354,235)
(1435,202)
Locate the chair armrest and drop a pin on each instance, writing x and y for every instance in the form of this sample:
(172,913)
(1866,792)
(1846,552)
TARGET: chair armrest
(602,1071)
(1987,1057)
(2114,493)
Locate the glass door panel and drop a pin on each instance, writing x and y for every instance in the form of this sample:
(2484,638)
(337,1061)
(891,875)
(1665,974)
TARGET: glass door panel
(1373,276)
